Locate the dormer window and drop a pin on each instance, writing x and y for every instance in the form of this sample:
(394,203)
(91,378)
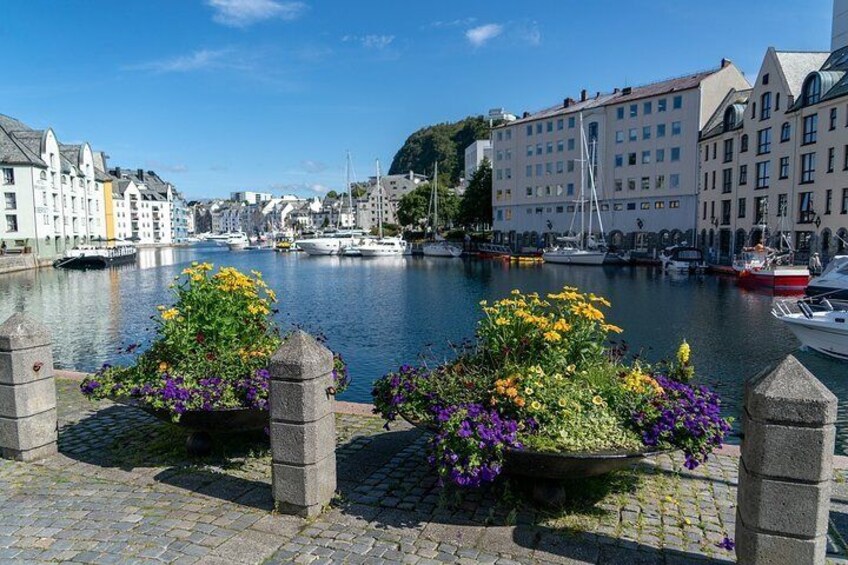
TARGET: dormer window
(812,89)
(733,116)
(765,106)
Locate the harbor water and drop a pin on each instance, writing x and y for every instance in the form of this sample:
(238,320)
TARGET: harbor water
(380,313)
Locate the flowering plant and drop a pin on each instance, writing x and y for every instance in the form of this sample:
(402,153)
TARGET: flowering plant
(212,348)
(543,377)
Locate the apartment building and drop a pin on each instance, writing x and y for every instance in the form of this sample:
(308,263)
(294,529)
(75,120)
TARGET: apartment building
(474,155)
(394,188)
(146,208)
(779,152)
(641,143)
(52,198)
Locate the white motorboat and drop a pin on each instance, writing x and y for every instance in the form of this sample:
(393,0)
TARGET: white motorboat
(823,329)
(385,247)
(683,259)
(219,238)
(237,241)
(93,257)
(441,249)
(330,243)
(833,282)
(580,247)
(568,251)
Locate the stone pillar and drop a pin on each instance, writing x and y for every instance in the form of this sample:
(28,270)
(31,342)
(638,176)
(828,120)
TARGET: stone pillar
(785,470)
(303,426)
(27,390)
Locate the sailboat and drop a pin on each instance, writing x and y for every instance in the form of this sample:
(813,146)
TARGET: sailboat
(438,247)
(382,246)
(581,249)
(351,248)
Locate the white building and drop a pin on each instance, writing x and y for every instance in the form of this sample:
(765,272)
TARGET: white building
(394,188)
(645,145)
(147,209)
(52,200)
(251,197)
(474,155)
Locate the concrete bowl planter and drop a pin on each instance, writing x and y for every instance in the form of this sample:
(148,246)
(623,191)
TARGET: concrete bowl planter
(203,423)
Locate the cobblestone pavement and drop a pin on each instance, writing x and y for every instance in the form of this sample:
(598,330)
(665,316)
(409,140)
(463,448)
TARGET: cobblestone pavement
(123,491)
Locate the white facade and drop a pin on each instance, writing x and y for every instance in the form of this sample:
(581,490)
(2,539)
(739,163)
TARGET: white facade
(645,143)
(394,188)
(51,198)
(251,197)
(474,155)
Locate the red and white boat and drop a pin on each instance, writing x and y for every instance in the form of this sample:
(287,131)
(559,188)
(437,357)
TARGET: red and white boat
(780,278)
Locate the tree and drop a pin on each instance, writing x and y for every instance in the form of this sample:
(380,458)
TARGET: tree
(476,206)
(332,195)
(414,207)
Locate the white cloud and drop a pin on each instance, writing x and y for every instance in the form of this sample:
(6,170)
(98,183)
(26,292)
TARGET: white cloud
(301,188)
(197,61)
(478,36)
(243,13)
(311,166)
(370,41)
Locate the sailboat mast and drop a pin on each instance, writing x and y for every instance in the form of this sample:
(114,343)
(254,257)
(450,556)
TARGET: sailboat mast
(379,202)
(349,190)
(582,181)
(436,201)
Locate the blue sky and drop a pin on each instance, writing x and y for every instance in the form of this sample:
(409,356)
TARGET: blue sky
(222,95)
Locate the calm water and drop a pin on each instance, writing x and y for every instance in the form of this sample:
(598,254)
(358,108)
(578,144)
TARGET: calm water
(380,313)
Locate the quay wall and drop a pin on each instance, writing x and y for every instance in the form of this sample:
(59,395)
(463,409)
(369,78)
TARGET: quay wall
(21,262)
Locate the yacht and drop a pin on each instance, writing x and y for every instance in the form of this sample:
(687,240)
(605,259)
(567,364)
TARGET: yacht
(237,241)
(581,248)
(330,243)
(92,257)
(438,247)
(385,247)
(823,329)
(833,282)
(683,259)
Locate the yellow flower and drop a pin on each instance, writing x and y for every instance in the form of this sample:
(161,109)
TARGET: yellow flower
(611,328)
(571,368)
(528,391)
(597,400)
(160,308)
(501,321)
(552,336)
(483,303)
(562,403)
(515,292)
(536,405)
(683,353)
(196,278)
(561,325)
(163,366)
(170,314)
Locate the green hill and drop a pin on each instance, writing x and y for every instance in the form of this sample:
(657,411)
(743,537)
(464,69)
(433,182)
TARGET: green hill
(445,142)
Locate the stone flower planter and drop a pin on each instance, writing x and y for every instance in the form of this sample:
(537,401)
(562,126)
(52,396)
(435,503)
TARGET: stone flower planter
(203,423)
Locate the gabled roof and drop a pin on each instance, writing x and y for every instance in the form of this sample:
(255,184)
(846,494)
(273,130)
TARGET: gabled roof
(796,65)
(715,125)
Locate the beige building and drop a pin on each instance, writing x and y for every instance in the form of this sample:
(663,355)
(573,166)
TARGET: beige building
(774,159)
(645,142)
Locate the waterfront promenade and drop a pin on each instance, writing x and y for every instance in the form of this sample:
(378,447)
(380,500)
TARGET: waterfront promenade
(122,490)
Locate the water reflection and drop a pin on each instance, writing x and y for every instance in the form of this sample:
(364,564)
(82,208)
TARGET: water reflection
(382,312)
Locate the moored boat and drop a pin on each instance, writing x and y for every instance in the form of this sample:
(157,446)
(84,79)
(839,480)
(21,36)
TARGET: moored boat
(441,249)
(833,282)
(385,247)
(568,251)
(823,329)
(683,259)
(92,257)
(237,241)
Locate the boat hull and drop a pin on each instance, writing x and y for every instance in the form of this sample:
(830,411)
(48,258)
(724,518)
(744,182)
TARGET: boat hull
(785,280)
(814,335)
(441,251)
(588,258)
(831,293)
(380,253)
(93,262)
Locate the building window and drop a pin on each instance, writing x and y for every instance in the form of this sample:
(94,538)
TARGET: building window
(677,102)
(646,132)
(765,106)
(550,126)
(646,108)
(618,185)
(631,158)
(674,203)
(619,136)
(728,150)
(659,205)
(828,201)
(808,167)
(725,212)
(646,183)
(844,201)
(763,141)
(529,130)
(571,122)
(675,154)
(784,168)
(812,90)
(674,181)
(528,191)
(743,143)
(811,126)
(528,171)
(833,119)
(660,155)
(726,181)
(660,130)
(560,124)
(645,206)
(538,149)
(634,110)
(539,127)
(571,144)
(763,171)
(785,131)
(11,223)
(805,208)
(560,146)
(743,174)
(619,160)
(559,167)
(633,134)
(660,182)
(646,157)
(11,201)
(549,147)
(740,207)
(831,157)
(9,175)
(675,128)
(661,105)
(631,184)
(760,209)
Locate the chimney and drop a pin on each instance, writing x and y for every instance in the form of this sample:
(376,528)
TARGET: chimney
(525,115)
(616,90)
(140,174)
(597,94)
(583,95)
(567,102)
(117,172)
(626,90)
(726,63)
